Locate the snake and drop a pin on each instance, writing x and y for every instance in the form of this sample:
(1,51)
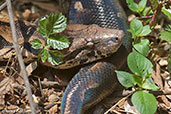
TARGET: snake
(100,42)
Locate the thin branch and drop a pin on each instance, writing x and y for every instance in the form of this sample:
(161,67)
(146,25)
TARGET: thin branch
(123,99)
(3,6)
(20,59)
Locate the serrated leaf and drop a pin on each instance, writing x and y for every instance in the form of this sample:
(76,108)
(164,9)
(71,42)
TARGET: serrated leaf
(139,64)
(141,5)
(125,78)
(58,42)
(42,28)
(145,31)
(43,55)
(55,58)
(167,12)
(144,102)
(166,36)
(132,5)
(136,27)
(150,86)
(36,43)
(142,46)
(56,23)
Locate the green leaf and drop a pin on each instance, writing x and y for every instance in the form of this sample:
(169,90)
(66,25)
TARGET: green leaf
(139,64)
(132,33)
(136,27)
(125,78)
(55,58)
(144,102)
(138,80)
(56,23)
(142,5)
(166,35)
(132,5)
(168,28)
(146,10)
(150,86)
(167,12)
(42,28)
(142,46)
(146,30)
(36,43)
(43,54)
(149,80)
(154,4)
(58,42)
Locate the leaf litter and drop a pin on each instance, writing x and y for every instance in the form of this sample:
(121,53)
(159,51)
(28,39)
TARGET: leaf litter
(48,85)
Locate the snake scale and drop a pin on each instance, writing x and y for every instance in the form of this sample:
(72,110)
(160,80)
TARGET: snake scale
(96,81)
(98,30)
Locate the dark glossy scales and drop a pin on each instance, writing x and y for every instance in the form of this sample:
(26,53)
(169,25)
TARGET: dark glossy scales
(97,80)
(87,87)
(4,43)
(105,13)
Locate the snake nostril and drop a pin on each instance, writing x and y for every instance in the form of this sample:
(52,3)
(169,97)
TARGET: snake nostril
(117,38)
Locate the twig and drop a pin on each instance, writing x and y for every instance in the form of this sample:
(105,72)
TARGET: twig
(7,66)
(3,6)
(20,59)
(41,90)
(50,83)
(123,99)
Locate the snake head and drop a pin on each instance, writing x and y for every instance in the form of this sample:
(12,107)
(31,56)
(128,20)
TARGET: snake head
(89,43)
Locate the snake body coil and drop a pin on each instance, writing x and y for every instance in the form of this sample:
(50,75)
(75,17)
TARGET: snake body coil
(89,42)
(97,80)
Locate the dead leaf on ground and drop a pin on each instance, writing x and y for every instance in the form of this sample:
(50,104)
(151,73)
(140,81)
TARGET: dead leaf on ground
(6,85)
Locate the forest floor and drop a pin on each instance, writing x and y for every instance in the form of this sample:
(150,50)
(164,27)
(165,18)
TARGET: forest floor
(48,87)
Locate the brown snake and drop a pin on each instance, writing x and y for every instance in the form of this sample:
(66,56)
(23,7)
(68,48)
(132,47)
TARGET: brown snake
(88,42)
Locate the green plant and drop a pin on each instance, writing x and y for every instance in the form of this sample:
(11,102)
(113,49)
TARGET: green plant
(137,29)
(166,35)
(136,7)
(139,65)
(141,69)
(49,27)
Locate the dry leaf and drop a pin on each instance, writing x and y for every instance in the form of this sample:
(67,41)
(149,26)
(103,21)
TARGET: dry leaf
(6,86)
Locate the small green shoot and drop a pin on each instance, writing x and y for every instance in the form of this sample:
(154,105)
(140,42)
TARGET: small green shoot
(139,65)
(137,29)
(136,7)
(141,68)
(49,27)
